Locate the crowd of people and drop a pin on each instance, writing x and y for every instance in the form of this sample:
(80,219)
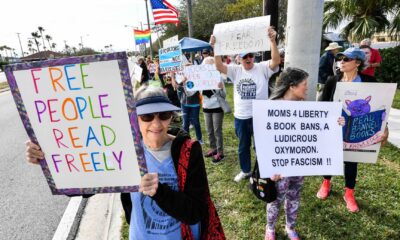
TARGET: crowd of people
(174,193)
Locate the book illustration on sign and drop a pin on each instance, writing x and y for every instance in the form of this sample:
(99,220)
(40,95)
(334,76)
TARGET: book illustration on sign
(363,126)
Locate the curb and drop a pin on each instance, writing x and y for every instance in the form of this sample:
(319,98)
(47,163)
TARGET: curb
(70,221)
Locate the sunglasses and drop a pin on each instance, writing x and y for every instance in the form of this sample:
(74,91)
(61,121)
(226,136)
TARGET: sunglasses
(248,55)
(345,59)
(163,116)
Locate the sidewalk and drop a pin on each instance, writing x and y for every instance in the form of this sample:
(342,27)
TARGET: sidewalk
(394,127)
(102,217)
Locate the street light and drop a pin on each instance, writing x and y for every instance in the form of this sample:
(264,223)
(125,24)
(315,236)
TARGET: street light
(20,44)
(82,40)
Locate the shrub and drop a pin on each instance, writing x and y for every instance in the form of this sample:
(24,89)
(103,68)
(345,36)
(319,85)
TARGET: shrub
(389,71)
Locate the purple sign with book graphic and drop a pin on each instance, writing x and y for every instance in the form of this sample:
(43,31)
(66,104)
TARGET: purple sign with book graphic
(81,112)
(366,109)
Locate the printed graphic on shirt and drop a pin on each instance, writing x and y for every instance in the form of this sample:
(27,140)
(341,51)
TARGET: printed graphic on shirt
(156,221)
(247,89)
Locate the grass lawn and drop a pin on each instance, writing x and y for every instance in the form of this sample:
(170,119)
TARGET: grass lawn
(3,85)
(243,216)
(396,100)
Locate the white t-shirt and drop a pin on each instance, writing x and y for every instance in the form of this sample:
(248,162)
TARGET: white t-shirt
(249,85)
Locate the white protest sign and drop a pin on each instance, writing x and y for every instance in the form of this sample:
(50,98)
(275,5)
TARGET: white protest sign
(366,108)
(135,71)
(78,111)
(297,138)
(170,59)
(247,35)
(202,77)
(170,41)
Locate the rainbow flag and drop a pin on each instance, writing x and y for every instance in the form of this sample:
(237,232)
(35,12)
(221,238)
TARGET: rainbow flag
(142,36)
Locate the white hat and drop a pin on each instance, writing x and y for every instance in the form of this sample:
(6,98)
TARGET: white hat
(333,45)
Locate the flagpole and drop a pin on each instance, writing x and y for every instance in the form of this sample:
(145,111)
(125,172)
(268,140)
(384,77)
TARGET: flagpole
(148,24)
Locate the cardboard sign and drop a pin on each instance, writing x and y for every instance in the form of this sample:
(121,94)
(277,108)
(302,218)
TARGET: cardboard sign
(171,41)
(202,77)
(136,72)
(80,111)
(247,35)
(170,59)
(297,138)
(366,110)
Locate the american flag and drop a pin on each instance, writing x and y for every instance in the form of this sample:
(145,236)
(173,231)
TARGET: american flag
(164,12)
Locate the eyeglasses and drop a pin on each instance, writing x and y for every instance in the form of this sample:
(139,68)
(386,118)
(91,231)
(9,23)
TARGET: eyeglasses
(163,116)
(345,59)
(248,55)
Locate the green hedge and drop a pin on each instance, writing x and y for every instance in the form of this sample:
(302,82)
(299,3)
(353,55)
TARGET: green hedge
(389,71)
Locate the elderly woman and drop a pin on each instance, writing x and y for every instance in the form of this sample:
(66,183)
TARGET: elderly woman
(173,201)
(351,63)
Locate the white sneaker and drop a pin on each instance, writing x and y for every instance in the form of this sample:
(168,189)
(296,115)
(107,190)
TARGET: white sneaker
(242,176)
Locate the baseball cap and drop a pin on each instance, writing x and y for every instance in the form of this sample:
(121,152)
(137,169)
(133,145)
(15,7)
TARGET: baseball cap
(354,53)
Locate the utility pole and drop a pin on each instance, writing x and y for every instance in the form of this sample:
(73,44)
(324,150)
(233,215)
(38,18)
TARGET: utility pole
(271,7)
(190,23)
(148,24)
(303,37)
(20,44)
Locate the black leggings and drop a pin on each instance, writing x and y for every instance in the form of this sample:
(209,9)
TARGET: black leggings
(350,174)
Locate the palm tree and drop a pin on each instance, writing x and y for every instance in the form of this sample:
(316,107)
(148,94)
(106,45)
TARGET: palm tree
(48,38)
(362,18)
(36,35)
(41,30)
(53,45)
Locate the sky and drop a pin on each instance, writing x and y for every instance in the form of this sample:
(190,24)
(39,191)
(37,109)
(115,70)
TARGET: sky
(98,22)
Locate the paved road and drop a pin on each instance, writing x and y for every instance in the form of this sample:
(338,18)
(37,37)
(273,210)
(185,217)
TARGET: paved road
(27,208)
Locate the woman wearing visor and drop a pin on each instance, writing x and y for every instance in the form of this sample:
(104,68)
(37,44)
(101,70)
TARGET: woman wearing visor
(173,201)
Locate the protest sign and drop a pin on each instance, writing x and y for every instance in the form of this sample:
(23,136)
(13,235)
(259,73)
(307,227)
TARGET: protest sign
(80,111)
(135,71)
(366,108)
(171,41)
(297,138)
(170,59)
(247,35)
(202,77)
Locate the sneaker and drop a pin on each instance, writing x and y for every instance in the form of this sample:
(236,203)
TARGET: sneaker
(324,190)
(351,203)
(292,234)
(211,153)
(269,234)
(241,176)
(218,158)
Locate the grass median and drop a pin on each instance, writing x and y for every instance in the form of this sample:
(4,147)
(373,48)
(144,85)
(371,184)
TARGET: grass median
(3,85)
(243,216)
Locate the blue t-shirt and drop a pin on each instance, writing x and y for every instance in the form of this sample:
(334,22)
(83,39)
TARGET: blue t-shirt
(148,220)
(357,79)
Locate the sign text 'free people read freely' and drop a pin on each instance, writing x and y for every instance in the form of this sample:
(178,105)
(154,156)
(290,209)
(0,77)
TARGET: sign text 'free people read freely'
(297,138)
(79,111)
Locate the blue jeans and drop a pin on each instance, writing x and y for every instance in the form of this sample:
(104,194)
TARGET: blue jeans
(244,131)
(191,115)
